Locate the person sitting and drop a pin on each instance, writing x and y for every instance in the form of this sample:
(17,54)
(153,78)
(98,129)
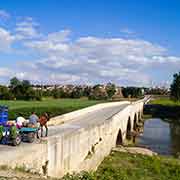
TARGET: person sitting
(20,120)
(33,122)
(33,119)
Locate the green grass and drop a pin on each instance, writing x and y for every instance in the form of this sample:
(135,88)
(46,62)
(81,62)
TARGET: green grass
(52,106)
(124,166)
(138,167)
(165,101)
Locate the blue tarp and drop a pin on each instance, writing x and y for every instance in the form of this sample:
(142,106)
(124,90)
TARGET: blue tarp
(28,129)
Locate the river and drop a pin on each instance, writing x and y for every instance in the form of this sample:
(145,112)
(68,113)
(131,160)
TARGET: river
(160,136)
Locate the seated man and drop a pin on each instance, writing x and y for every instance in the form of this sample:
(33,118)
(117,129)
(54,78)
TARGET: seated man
(33,119)
(33,122)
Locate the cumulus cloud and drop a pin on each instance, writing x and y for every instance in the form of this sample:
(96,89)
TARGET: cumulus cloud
(55,42)
(26,29)
(99,60)
(6,40)
(58,37)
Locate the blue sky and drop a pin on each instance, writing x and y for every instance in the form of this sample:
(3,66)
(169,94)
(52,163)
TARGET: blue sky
(127,42)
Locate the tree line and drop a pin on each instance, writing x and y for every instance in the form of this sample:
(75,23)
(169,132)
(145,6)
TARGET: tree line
(24,90)
(19,90)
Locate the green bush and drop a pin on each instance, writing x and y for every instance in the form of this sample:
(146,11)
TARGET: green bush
(13,132)
(1,132)
(80,176)
(133,92)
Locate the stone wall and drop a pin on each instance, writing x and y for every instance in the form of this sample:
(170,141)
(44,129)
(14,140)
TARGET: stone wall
(75,150)
(85,149)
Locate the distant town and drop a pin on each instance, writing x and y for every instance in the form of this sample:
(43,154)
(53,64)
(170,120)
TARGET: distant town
(24,90)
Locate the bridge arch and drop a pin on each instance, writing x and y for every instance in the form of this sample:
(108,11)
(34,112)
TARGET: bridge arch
(135,122)
(128,129)
(119,140)
(139,115)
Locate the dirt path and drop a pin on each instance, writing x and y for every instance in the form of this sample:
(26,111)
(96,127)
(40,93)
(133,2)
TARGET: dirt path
(15,175)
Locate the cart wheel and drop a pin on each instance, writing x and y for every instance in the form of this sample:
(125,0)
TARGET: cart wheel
(4,140)
(31,137)
(16,141)
(1,139)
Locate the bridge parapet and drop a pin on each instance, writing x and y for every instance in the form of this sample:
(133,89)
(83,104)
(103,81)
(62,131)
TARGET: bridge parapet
(72,115)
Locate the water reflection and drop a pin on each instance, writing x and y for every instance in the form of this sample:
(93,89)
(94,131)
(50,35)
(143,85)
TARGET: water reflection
(175,136)
(161,136)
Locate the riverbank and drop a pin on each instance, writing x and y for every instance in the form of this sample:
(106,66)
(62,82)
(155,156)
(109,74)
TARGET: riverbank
(163,108)
(135,150)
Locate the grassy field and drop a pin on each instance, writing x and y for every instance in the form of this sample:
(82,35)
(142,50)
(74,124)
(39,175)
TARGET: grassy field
(165,101)
(124,166)
(52,106)
(138,167)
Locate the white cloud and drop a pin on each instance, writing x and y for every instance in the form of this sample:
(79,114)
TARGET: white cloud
(58,37)
(99,60)
(55,42)
(5,72)
(26,29)
(4,14)
(64,78)
(6,40)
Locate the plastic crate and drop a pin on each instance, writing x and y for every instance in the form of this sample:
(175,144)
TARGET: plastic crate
(3,115)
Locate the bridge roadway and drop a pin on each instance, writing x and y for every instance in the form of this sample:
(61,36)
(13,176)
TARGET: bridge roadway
(89,119)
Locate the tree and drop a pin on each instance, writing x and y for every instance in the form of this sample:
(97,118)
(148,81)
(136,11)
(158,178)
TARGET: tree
(14,82)
(5,94)
(22,90)
(77,92)
(133,92)
(87,91)
(110,89)
(175,87)
(98,93)
(26,84)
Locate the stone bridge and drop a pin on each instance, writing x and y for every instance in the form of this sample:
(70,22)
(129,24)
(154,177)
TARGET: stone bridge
(79,140)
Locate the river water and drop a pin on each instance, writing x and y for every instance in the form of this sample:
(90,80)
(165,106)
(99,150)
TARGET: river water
(161,136)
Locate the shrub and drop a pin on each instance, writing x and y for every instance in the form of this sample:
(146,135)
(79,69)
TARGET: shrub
(13,132)
(1,132)
(175,87)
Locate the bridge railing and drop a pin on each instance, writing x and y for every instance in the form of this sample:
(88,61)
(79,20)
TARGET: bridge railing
(145,100)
